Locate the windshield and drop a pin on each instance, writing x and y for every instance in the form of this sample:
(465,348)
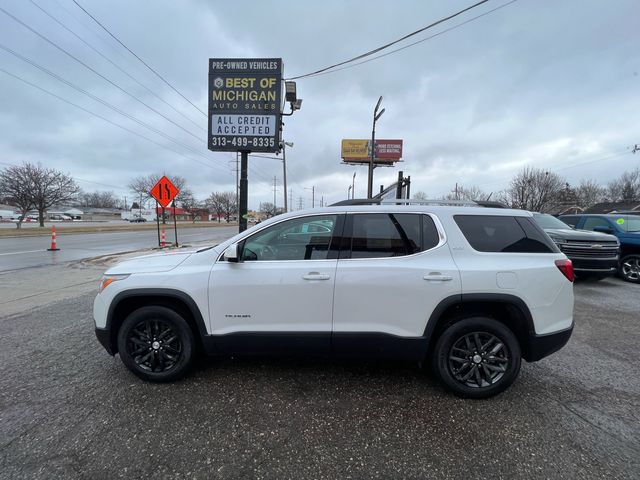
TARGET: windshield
(628,223)
(547,221)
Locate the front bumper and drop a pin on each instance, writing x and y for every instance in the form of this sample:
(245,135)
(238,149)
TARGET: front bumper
(104,337)
(540,346)
(595,266)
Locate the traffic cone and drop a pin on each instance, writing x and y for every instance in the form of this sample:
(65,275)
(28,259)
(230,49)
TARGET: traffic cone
(54,243)
(162,242)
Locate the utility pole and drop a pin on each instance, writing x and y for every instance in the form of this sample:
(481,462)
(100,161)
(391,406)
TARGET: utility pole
(274,194)
(300,203)
(291,197)
(284,172)
(322,201)
(372,165)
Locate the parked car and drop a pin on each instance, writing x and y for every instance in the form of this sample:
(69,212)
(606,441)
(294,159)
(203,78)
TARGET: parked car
(624,226)
(470,290)
(60,217)
(594,255)
(137,220)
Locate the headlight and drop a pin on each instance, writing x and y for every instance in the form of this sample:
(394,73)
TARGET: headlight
(109,279)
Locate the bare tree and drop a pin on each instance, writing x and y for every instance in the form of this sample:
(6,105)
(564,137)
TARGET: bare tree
(52,187)
(16,185)
(98,199)
(420,195)
(215,203)
(268,208)
(534,189)
(468,193)
(589,192)
(625,188)
(229,204)
(191,205)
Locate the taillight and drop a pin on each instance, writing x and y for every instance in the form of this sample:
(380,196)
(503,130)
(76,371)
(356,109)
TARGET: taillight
(566,267)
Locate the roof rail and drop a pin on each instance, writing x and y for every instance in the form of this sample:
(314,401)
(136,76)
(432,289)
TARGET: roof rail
(431,201)
(357,201)
(416,201)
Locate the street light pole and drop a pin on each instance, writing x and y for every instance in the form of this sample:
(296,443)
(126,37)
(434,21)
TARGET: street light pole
(376,116)
(353,186)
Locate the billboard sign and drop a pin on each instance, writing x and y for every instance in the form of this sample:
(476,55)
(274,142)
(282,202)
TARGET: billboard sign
(355,149)
(245,98)
(358,151)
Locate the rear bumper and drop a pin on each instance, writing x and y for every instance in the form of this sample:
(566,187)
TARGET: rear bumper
(540,346)
(104,337)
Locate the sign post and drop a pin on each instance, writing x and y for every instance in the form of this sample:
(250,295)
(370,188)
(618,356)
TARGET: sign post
(165,192)
(245,112)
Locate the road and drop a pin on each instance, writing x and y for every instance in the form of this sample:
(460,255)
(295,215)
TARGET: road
(69,410)
(26,252)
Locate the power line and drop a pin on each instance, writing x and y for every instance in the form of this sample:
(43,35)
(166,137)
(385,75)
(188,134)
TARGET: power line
(95,71)
(102,118)
(142,61)
(454,27)
(115,64)
(103,102)
(384,47)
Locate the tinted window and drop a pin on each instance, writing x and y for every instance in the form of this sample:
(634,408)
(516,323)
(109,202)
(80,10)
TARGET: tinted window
(592,222)
(391,235)
(487,233)
(306,238)
(550,222)
(571,220)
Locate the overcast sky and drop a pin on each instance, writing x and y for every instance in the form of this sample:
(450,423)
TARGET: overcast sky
(549,83)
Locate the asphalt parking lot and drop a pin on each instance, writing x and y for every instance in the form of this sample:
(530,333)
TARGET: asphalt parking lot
(68,410)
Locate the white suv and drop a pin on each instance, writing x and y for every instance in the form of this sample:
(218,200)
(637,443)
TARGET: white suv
(470,290)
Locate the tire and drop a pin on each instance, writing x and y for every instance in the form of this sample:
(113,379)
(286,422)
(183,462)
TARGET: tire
(630,268)
(156,344)
(482,375)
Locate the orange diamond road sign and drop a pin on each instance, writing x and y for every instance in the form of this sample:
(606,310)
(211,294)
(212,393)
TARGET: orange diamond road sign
(164,191)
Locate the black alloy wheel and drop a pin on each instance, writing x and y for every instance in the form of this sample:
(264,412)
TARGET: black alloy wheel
(477,357)
(630,268)
(156,344)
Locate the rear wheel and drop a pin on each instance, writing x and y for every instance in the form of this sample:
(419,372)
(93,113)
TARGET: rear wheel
(156,344)
(630,268)
(477,357)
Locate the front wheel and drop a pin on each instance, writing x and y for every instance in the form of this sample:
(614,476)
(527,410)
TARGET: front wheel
(477,357)
(630,268)
(156,344)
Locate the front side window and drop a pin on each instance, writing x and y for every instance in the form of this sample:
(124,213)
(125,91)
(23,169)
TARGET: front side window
(379,235)
(306,238)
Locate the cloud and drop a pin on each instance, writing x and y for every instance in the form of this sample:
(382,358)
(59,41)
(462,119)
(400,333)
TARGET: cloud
(541,83)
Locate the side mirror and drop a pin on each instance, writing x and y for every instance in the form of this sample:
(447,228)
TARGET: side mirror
(231,253)
(602,229)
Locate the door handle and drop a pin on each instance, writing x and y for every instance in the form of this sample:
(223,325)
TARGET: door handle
(316,276)
(437,277)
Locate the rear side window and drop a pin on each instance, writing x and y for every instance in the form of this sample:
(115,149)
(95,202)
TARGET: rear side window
(487,233)
(379,235)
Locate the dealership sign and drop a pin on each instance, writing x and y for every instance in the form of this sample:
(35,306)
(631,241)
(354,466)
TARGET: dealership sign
(245,98)
(359,151)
